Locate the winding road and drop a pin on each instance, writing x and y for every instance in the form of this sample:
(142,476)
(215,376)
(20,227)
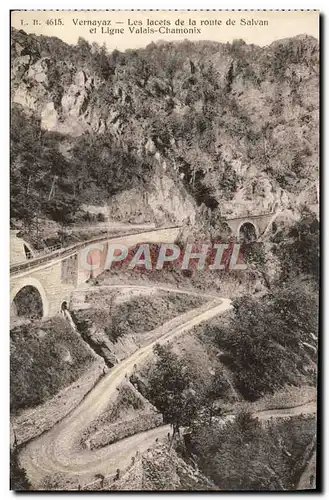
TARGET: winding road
(59,451)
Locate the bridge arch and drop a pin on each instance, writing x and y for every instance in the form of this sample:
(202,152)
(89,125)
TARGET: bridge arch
(248,231)
(28,250)
(33,287)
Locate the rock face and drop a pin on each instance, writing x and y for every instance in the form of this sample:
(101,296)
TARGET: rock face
(228,126)
(160,468)
(162,201)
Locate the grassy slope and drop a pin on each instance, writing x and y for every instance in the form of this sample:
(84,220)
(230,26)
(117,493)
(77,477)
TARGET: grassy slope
(138,315)
(44,359)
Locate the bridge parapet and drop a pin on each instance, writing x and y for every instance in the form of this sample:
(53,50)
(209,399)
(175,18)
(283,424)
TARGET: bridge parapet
(59,252)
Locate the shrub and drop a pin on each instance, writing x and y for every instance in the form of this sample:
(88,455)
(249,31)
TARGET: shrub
(38,369)
(245,455)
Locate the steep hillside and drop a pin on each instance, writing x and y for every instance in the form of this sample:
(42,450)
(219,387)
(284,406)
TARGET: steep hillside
(43,360)
(154,133)
(161,468)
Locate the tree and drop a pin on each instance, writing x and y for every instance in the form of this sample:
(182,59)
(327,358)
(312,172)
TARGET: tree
(298,248)
(230,454)
(212,392)
(270,339)
(18,478)
(245,454)
(83,50)
(258,259)
(61,210)
(170,389)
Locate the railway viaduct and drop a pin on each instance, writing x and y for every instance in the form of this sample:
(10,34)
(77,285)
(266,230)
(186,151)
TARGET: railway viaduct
(54,275)
(49,278)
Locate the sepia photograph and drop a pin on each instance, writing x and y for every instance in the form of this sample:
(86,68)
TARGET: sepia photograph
(164,250)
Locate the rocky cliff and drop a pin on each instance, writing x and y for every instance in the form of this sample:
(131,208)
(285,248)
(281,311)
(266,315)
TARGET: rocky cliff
(154,133)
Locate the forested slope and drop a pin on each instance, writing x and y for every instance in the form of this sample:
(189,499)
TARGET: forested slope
(230,126)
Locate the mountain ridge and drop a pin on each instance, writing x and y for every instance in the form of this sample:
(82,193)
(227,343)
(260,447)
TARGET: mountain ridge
(230,127)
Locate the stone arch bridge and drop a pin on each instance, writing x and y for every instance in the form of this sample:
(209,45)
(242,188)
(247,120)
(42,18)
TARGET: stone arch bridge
(261,224)
(257,223)
(55,275)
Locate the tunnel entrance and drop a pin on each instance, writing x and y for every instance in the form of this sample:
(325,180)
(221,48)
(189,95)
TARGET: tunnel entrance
(247,232)
(28,252)
(28,303)
(64,306)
